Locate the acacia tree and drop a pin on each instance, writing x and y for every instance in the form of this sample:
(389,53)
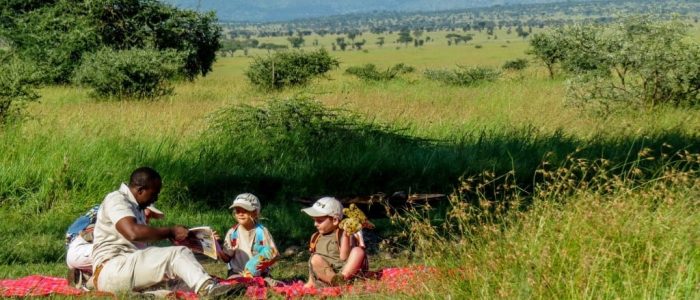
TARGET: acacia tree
(638,61)
(296,41)
(457,38)
(341,43)
(380,41)
(417,33)
(548,47)
(352,35)
(405,37)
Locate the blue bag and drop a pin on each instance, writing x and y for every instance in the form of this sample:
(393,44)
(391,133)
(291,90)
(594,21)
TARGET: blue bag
(81,223)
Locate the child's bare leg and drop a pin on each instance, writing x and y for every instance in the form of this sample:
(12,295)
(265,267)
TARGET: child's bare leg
(354,262)
(310,283)
(322,269)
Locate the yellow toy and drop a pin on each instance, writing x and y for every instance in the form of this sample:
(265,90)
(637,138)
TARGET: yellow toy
(354,220)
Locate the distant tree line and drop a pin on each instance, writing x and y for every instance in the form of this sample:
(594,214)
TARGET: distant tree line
(518,18)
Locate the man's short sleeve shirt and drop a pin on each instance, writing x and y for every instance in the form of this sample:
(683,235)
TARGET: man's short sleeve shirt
(108,241)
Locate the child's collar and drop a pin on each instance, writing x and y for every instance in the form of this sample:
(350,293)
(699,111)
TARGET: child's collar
(334,231)
(252,227)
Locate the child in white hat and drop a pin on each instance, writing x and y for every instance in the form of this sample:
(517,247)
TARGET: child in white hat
(336,256)
(248,240)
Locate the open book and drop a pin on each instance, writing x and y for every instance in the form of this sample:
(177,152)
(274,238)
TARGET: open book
(201,240)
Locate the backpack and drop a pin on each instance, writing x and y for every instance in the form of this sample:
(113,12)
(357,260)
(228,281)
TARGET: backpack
(259,234)
(81,224)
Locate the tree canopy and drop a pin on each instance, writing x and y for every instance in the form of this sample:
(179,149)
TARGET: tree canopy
(56,34)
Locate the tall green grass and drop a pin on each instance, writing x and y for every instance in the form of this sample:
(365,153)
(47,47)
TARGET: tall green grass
(412,135)
(620,236)
(281,150)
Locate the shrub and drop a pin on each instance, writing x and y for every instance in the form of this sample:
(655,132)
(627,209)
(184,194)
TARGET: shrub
(369,72)
(136,73)
(291,123)
(271,46)
(289,68)
(17,82)
(638,62)
(516,64)
(56,34)
(463,76)
(403,68)
(309,148)
(54,38)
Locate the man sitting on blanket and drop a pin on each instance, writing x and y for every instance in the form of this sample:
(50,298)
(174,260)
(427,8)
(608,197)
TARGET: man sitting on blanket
(78,243)
(122,263)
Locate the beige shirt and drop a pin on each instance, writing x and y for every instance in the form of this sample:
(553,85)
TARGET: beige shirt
(328,247)
(108,241)
(242,251)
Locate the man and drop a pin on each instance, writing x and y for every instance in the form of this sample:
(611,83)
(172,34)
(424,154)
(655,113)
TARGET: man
(122,263)
(79,237)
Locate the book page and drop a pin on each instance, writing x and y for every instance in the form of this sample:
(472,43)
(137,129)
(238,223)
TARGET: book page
(201,240)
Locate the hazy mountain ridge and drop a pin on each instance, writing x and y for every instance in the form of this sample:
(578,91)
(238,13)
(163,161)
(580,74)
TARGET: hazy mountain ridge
(279,10)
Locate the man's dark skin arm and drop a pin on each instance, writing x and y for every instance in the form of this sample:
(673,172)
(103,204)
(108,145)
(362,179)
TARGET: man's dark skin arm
(135,232)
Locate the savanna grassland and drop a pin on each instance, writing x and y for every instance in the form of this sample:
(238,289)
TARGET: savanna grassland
(599,206)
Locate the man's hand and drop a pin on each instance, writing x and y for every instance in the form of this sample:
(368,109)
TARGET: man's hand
(179,232)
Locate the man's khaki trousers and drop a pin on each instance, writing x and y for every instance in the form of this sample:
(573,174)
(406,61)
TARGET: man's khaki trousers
(145,268)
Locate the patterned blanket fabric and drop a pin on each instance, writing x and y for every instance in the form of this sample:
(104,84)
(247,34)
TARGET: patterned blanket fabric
(390,280)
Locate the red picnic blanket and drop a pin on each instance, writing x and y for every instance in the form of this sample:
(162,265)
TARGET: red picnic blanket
(36,285)
(392,280)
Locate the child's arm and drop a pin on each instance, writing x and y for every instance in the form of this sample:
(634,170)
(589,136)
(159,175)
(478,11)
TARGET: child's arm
(345,246)
(271,242)
(226,251)
(223,256)
(274,254)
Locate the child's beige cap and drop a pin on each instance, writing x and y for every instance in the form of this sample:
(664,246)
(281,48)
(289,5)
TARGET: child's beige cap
(246,201)
(326,206)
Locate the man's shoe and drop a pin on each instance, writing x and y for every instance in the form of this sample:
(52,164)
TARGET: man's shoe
(215,290)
